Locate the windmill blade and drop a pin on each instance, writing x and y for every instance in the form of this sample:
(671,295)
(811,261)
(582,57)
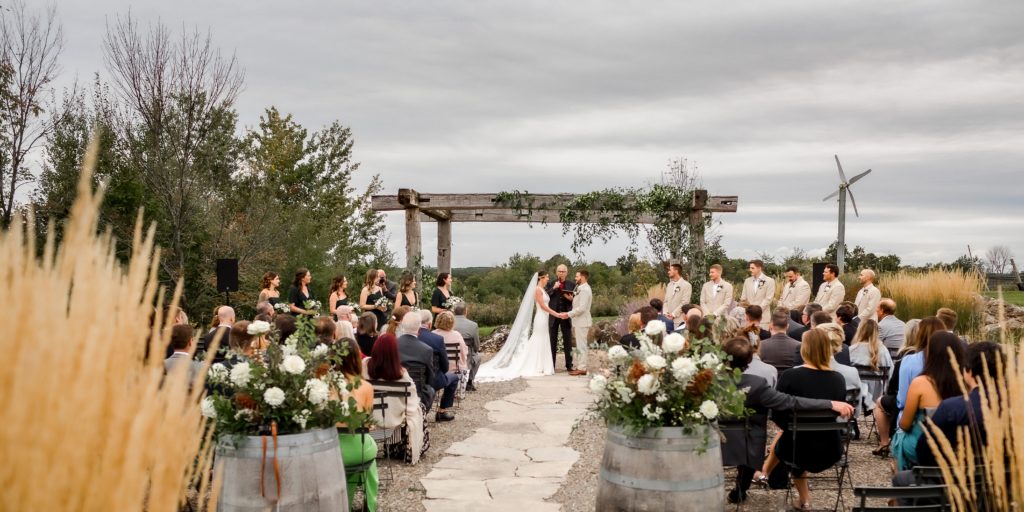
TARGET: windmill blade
(854,201)
(859,176)
(842,176)
(833,194)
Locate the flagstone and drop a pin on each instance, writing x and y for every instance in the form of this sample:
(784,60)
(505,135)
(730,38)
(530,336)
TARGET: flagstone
(490,506)
(562,453)
(551,469)
(456,489)
(513,489)
(516,441)
(484,451)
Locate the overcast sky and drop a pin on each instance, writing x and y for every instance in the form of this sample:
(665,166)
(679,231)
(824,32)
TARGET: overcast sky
(474,96)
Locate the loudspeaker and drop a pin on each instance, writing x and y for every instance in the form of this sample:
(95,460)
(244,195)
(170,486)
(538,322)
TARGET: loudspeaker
(819,268)
(227,275)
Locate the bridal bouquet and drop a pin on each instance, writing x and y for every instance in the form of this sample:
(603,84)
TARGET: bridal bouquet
(292,384)
(671,384)
(452,302)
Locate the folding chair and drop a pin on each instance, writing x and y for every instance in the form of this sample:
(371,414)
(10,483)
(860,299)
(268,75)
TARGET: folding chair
(740,428)
(823,421)
(853,398)
(359,496)
(386,437)
(881,376)
(454,351)
(418,374)
(934,495)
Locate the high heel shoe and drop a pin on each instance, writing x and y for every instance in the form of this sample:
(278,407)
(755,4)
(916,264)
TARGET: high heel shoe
(760,479)
(881,451)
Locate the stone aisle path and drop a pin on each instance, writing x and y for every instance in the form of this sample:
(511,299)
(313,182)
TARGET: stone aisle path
(520,460)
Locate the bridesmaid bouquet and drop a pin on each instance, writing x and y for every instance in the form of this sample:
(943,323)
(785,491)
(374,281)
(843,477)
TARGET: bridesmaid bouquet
(452,302)
(312,305)
(383,304)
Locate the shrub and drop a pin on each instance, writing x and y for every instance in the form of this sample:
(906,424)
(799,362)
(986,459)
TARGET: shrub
(921,294)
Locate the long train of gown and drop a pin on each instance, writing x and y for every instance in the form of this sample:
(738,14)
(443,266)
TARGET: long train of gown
(531,359)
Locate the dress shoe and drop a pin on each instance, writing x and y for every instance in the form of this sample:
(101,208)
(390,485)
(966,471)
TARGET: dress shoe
(577,373)
(470,387)
(444,416)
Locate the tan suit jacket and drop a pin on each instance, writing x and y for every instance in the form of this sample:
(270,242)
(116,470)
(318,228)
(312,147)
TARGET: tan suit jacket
(715,303)
(676,294)
(867,302)
(760,292)
(830,295)
(795,295)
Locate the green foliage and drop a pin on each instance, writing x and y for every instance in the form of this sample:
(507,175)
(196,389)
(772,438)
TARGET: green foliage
(858,259)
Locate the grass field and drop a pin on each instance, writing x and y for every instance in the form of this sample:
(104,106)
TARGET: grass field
(1011,296)
(486,331)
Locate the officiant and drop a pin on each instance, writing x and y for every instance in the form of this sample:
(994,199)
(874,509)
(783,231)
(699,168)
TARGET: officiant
(560,292)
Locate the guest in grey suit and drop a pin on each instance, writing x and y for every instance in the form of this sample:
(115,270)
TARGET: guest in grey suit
(414,352)
(181,342)
(745,448)
(779,350)
(470,332)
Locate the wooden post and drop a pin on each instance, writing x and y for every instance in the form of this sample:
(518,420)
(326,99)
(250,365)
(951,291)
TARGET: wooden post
(410,200)
(696,225)
(444,246)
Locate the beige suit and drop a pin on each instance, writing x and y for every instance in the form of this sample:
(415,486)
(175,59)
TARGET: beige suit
(677,293)
(760,292)
(867,302)
(581,321)
(830,295)
(795,295)
(716,303)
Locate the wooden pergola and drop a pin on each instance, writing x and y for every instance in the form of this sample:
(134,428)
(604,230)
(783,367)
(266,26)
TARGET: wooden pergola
(444,209)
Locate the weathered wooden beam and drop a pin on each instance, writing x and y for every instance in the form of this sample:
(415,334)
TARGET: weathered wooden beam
(512,215)
(409,197)
(444,246)
(413,240)
(437,215)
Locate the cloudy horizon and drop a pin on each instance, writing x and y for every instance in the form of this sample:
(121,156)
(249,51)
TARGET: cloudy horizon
(488,97)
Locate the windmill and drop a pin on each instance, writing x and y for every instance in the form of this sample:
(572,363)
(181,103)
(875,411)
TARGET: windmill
(844,189)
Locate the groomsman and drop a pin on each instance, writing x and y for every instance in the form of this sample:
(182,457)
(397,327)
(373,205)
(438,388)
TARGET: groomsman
(832,291)
(796,293)
(677,293)
(716,294)
(868,297)
(759,290)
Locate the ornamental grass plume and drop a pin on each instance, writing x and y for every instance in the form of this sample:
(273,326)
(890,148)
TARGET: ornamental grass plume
(90,422)
(921,294)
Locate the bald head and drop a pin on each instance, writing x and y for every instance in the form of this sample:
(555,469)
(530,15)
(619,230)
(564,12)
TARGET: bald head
(226,315)
(867,276)
(694,313)
(886,307)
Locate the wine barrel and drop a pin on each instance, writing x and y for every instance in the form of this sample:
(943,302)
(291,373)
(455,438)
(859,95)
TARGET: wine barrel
(312,475)
(661,469)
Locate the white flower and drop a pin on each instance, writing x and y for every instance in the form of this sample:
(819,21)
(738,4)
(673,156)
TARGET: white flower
(288,350)
(709,409)
(673,343)
(301,418)
(683,368)
(344,408)
(661,397)
(274,396)
(650,414)
(293,365)
(618,355)
(207,407)
(598,384)
(218,373)
(625,393)
(656,362)
(655,327)
(240,374)
(245,414)
(709,360)
(648,384)
(317,391)
(319,350)
(258,328)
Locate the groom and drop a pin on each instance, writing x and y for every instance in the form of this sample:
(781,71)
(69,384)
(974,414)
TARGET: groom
(580,315)
(560,299)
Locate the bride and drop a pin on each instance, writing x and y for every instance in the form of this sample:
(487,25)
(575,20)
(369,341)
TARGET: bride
(527,350)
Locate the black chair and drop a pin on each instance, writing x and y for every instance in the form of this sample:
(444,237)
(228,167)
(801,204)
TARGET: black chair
(359,496)
(418,374)
(740,427)
(824,421)
(934,494)
(386,438)
(454,353)
(882,377)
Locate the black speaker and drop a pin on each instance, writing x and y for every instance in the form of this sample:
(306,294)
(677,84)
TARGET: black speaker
(227,275)
(816,279)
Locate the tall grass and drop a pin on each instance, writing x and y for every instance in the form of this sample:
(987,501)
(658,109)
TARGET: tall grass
(999,484)
(921,294)
(87,423)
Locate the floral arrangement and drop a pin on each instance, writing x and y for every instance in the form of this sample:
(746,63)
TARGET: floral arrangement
(292,384)
(283,307)
(452,302)
(313,306)
(668,382)
(383,304)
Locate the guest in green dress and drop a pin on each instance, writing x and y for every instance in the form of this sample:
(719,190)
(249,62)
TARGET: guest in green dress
(358,447)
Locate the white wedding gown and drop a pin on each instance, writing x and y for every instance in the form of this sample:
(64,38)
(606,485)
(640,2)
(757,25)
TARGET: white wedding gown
(527,351)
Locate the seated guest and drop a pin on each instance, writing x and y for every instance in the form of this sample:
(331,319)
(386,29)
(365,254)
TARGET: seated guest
(937,382)
(855,321)
(265,308)
(412,351)
(357,448)
(758,367)
(285,325)
(633,326)
(867,351)
(948,317)
(779,350)
(470,333)
(748,454)
(891,330)
(849,373)
(384,364)
(345,330)
(443,377)
(445,328)
(845,314)
(821,318)
(805,321)
(326,330)
(225,319)
(913,364)
(818,450)
(659,306)
(181,342)
(752,326)
(697,328)
(366,332)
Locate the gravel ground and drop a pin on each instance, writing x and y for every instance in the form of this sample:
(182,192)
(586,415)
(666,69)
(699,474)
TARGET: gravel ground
(579,492)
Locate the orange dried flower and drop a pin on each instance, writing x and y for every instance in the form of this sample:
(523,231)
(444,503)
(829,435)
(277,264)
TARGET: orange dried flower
(636,371)
(321,370)
(700,382)
(245,401)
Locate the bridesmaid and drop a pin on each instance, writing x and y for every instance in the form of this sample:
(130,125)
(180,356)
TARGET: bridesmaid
(338,296)
(269,289)
(300,292)
(370,294)
(407,295)
(441,293)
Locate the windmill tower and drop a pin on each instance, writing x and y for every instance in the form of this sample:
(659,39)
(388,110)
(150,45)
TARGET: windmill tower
(844,189)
